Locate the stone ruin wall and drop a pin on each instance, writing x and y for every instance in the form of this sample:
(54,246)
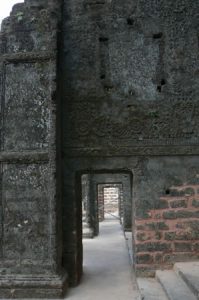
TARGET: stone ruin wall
(129,89)
(131,82)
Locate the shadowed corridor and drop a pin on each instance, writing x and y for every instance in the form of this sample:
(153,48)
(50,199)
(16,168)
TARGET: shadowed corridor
(107,269)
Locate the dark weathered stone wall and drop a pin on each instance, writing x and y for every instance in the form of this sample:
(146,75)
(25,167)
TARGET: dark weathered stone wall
(130,96)
(129,103)
(30,248)
(131,80)
(126,181)
(95,201)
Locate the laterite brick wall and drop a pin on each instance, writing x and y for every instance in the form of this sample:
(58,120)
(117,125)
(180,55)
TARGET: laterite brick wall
(111,199)
(171,232)
(101,202)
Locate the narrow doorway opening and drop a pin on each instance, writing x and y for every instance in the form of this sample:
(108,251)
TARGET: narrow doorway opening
(110,201)
(106,200)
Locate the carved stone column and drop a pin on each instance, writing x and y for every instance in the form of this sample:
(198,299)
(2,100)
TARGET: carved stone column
(30,231)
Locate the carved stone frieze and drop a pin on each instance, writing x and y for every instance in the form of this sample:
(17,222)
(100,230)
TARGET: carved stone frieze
(171,123)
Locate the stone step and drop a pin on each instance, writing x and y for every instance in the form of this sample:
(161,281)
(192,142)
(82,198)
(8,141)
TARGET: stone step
(150,289)
(189,272)
(173,285)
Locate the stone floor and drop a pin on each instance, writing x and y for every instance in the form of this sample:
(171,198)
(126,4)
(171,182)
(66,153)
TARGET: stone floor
(107,271)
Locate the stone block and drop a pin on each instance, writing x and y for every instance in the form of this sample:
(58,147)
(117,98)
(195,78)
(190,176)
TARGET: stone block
(170,236)
(153,247)
(195,203)
(178,257)
(142,236)
(178,203)
(157,226)
(183,247)
(180,214)
(27,112)
(144,259)
(161,204)
(169,215)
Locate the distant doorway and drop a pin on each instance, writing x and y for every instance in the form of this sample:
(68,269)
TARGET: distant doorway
(110,200)
(84,192)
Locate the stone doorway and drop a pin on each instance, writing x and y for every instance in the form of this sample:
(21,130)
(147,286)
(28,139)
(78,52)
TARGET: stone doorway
(106,197)
(86,200)
(99,197)
(110,199)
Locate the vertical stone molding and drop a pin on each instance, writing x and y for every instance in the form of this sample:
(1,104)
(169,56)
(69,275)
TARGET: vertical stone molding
(31,248)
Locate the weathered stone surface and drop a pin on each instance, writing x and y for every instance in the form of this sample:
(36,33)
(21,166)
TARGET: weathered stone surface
(157,226)
(140,82)
(180,214)
(195,203)
(144,259)
(30,248)
(178,203)
(31,27)
(174,286)
(183,247)
(123,90)
(27,111)
(155,246)
(26,213)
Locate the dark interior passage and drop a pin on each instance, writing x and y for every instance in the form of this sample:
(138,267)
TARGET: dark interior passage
(110,200)
(107,268)
(103,195)
(106,200)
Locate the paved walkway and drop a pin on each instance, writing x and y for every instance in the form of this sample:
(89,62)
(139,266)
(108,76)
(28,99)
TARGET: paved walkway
(107,271)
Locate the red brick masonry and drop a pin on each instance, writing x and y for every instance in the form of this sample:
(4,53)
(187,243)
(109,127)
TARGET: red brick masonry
(169,234)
